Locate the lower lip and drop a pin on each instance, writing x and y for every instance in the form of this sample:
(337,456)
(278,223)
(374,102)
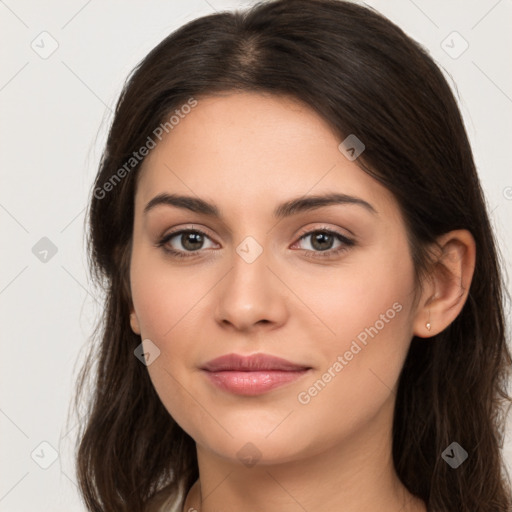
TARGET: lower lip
(254,382)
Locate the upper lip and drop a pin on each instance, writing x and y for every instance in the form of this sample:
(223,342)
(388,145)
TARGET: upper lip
(255,362)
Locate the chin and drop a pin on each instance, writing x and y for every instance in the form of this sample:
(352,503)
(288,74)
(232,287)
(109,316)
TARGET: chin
(251,446)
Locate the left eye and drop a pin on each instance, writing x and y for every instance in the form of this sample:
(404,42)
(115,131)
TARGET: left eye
(192,241)
(323,240)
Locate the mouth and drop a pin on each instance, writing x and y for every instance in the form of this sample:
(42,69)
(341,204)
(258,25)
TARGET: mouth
(252,375)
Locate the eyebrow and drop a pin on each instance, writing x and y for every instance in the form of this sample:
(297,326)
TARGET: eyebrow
(286,209)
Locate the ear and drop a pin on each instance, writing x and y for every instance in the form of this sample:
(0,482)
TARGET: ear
(446,288)
(134,322)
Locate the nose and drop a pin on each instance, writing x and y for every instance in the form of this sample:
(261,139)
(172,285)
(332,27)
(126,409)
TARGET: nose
(251,295)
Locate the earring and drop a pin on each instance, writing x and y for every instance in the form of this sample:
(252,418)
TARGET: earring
(427,325)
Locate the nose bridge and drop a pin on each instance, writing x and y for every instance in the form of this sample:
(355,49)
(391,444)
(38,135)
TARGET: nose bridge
(250,250)
(249,272)
(250,292)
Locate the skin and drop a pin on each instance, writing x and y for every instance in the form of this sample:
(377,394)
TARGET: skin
(247,153)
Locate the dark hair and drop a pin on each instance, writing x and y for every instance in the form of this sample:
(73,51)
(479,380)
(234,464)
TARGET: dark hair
(364,76)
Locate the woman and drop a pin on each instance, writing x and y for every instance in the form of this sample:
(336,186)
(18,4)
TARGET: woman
(303,296)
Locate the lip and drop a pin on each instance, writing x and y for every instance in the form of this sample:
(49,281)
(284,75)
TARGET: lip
(252,363)
(252,375)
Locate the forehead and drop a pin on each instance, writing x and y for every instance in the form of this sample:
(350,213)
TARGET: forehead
(250,149)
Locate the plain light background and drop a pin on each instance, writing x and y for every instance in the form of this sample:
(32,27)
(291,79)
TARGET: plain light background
(54,113)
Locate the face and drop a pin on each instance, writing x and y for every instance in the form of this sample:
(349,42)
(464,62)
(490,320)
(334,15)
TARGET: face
(328,288)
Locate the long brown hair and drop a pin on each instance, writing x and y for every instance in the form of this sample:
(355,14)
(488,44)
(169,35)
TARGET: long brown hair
(364,76)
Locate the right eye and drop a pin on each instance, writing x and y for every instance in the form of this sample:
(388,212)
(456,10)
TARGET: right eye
(191,241)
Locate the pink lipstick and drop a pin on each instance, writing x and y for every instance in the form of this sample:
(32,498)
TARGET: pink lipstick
(252,375)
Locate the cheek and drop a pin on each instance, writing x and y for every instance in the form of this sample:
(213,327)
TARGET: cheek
(163,296)
(163,301)
(368,299)
(367,308)
(169,304)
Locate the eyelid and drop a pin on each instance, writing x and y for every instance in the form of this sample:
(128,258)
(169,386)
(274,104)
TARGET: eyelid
(182,229)
(323,227)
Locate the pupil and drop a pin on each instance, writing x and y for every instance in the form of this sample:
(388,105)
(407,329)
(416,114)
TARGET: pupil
(322,237)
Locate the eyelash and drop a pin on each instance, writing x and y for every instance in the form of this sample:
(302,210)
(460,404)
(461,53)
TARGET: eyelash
(347,243)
